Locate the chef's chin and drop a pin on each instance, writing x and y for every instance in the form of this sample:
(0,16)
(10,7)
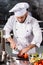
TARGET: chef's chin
(21,21)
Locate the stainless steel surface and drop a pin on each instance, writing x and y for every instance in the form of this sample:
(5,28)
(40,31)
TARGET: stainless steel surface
(14,61)
(17,62)
(20,62)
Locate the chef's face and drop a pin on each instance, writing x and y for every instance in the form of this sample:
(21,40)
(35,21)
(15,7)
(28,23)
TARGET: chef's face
(21,19)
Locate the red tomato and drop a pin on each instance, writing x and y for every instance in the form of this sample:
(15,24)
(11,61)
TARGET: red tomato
(40,64)
(25,55)
(42,61)
(36,63)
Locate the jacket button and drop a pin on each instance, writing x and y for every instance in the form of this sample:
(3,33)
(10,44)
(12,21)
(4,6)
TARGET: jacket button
(26,44)
(27,30)
(16,37)
(16,21)
(16,29)
(28,23)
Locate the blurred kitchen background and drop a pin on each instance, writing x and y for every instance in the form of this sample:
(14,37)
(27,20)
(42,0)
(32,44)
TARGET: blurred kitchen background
(36,9)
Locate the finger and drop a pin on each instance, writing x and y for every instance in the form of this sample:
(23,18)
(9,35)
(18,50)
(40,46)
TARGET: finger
(14,47)
(20,54)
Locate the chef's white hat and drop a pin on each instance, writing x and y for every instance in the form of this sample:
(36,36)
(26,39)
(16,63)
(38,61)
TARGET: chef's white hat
(20,8)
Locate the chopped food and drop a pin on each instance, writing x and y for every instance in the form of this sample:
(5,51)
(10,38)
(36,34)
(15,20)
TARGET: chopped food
(36,63)
(34,57)
(40,62)
(32,60)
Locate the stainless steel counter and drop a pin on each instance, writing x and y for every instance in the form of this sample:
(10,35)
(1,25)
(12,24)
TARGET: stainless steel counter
(20,62)
(17,62)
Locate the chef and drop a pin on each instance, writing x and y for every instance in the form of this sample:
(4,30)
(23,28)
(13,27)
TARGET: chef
(26,31)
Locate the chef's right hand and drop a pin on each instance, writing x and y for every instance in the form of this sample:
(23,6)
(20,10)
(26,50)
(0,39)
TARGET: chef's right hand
(13,45)
(12,42)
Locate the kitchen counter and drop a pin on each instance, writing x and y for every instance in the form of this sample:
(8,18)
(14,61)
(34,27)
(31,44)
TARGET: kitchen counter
(19,62)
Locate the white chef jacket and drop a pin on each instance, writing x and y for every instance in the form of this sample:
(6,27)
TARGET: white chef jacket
(25,33)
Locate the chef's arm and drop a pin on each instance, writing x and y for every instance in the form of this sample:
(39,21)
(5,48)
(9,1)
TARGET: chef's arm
(37,39)
(8,28)
(37,34)
(30,47)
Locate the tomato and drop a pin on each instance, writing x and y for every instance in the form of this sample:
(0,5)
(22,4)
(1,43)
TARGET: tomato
(25,56)
(42,61)
(40,64)
(36,63)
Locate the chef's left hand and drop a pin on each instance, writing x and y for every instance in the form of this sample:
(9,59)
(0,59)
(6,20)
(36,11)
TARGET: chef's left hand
(22,51)
(26,49)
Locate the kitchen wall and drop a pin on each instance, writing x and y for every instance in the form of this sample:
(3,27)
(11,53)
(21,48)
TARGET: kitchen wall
(36,7)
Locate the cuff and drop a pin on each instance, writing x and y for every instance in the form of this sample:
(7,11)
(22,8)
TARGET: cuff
(37,44)
(6,36)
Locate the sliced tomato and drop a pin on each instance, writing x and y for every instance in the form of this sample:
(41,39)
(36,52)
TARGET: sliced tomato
(36,63)
(42,61)
(40,64)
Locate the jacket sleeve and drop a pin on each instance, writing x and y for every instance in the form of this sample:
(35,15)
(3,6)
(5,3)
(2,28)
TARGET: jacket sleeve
(37,39)
(8,27)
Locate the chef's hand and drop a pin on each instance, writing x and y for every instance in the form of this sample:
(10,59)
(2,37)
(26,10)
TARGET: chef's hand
(13,45)
(22,52)
(12,42)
